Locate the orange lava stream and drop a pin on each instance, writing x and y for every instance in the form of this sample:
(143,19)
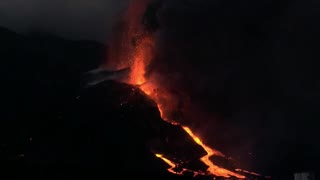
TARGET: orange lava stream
(248,172)
(138,55)
(137,77)
(213,169)
(170,163)
(173,166)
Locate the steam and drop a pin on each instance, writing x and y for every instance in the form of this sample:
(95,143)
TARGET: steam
(100,75)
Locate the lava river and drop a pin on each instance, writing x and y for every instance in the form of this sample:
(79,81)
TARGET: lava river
(138,57)
(137,77)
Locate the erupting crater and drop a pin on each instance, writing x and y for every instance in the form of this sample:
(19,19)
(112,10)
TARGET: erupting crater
(137,56)
(141,55)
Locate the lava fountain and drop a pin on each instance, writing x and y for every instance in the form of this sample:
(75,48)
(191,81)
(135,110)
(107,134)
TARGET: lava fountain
(135,49)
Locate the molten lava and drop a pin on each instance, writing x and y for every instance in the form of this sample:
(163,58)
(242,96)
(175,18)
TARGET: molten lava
(149,88)
(213,169)
(142,54)
(173,167)
(248,172)
(135,49)
(170,163)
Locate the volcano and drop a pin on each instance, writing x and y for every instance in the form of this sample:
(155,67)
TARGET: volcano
(132,51)
(139,141)
(135,133)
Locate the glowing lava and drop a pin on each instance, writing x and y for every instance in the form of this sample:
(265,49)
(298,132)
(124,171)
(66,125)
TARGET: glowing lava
(170,163)
(135,49)
(137,77)
(158,97)
(213,169)
(248,172)
(141,57)
(174,166)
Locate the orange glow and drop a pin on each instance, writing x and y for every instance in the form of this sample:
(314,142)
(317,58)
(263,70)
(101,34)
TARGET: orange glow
(170,163)
(135,48)
(213,169)
(141,57)
(248,172)
(161,98)
(173,166)
(137,77)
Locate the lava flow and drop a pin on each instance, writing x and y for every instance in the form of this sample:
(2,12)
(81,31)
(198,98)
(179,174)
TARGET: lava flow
(214,169)
(138,55)
(174,166)
(148,88)
(170,163)
(137,77)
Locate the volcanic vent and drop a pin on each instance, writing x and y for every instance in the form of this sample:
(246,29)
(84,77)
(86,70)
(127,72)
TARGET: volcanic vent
(131,52)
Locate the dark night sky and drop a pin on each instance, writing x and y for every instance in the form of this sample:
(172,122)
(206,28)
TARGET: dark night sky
(94,19)
(253,62)
(77,19)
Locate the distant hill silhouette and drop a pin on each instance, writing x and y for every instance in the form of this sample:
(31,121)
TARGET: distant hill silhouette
(40,73)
